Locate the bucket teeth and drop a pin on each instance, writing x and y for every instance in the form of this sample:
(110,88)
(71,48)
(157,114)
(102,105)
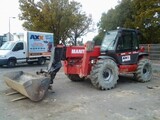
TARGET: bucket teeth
(17,95)
(19,98)
(12,93)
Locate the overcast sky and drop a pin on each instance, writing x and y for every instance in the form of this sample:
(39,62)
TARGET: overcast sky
(10,8)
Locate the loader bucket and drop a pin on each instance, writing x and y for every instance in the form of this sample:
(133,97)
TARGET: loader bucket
(34,87)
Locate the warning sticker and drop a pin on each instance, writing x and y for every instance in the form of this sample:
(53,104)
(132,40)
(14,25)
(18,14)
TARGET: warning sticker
(126,58)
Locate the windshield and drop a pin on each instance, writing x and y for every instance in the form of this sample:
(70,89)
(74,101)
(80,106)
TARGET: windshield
(7,46)
(109,40)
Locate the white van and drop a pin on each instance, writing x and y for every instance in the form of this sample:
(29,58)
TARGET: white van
(36,47)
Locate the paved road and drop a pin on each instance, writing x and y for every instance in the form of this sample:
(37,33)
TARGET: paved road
(130,100)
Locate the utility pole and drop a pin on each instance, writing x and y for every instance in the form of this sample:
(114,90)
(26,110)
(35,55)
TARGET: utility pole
(9,27)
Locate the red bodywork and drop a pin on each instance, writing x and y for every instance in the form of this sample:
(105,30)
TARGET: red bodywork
(78,61)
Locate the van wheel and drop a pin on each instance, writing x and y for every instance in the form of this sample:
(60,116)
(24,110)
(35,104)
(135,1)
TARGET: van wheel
(41,61)
(11,63)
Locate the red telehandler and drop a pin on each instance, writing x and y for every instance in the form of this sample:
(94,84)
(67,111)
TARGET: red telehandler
(119,53)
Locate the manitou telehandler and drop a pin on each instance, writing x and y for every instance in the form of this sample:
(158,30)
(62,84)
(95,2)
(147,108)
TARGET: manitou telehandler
(119,53)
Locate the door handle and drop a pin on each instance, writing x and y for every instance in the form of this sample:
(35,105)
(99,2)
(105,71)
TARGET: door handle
(23,52)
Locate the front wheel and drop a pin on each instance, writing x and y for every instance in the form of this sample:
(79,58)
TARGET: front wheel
(104,74)
(144,70)
(11,63)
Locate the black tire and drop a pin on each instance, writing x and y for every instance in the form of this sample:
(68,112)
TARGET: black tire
(11,63)
(144,70)
(41,61)
(75,78)
(104,74)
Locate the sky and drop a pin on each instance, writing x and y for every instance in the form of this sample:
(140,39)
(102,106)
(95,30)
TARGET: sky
(10,9)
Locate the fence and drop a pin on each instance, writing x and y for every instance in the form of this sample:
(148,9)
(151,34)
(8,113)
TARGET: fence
(153,50)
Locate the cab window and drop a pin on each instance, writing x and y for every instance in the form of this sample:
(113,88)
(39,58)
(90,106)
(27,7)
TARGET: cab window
(128,41)
(18,46)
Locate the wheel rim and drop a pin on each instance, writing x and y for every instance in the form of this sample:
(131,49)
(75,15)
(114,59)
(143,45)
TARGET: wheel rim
(107,75)
(147,70)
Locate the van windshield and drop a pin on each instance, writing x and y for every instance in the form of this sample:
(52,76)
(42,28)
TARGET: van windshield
(7,46)
(109,40)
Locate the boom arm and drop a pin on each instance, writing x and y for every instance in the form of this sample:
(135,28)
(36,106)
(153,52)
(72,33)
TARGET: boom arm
(54,64)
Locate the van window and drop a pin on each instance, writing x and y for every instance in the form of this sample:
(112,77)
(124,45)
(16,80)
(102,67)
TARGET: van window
(18,46)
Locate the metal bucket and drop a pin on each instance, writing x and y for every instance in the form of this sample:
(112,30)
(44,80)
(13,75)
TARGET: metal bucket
(32,86)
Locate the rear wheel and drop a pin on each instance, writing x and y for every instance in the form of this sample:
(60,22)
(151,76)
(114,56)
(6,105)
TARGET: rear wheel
(75,77)
(104,74)
(41,61)
(144,71)
(11,63)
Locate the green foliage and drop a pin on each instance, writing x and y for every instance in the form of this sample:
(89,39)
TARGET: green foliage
(147,18)
(116,17)
(81,26)
(144,14)
(98,39)
(60,17)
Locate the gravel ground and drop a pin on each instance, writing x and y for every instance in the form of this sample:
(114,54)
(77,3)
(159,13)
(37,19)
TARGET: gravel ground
(130,100)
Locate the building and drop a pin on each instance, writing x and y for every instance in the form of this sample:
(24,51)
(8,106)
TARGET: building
(4,38)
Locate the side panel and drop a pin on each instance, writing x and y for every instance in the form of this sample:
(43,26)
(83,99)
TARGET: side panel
(39,43)
(124,69)
(127,58)
(75,51)
(80,63)
(20,54)
(74,56)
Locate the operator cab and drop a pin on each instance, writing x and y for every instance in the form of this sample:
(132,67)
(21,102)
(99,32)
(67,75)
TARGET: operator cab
(122,45)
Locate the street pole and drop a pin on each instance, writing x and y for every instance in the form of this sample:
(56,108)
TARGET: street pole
(9,27)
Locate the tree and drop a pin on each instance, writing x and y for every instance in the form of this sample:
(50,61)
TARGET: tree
(56,16)
(144,14)
(81,23)
(81,27)
(147,18)
(115,18)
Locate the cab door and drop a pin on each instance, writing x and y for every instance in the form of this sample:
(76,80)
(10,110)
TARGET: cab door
(127,47)
(19,52)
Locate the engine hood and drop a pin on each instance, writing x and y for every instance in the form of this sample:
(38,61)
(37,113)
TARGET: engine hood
(4,52)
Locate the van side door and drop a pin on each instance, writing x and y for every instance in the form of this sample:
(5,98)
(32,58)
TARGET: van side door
(19,52)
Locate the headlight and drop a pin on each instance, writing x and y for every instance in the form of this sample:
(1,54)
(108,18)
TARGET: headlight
(2,56)
(93,61)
